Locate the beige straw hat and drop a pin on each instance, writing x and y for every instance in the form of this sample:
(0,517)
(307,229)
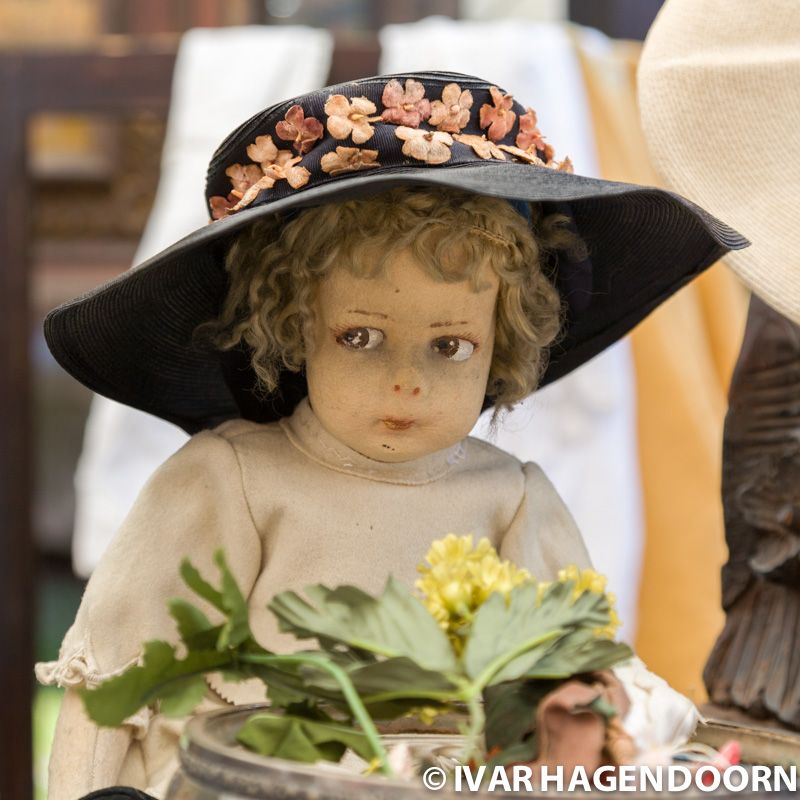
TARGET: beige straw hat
(719,91)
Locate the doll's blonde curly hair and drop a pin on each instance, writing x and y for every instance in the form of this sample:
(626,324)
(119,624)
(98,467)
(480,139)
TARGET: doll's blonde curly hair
(276,264)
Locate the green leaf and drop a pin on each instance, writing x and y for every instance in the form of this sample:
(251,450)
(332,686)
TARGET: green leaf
(388,689)
(510,710)
(195,630)
(236,628)
(161,675)
(195,581)
(301,739)
(579,651)
(181,697)
(392,625)
(508,640)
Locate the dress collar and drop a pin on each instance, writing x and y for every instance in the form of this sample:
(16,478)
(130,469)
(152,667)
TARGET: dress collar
(306,433)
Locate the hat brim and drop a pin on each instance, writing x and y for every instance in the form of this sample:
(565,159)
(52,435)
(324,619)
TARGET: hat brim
(133,339)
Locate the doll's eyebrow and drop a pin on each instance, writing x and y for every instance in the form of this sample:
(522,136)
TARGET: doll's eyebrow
(448,323)
(367,313)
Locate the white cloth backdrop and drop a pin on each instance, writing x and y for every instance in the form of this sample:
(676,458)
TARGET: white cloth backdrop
(222,76)
(582,429)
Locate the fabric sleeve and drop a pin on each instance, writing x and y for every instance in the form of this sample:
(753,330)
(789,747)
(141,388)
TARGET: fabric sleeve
(543,537)
(193,505)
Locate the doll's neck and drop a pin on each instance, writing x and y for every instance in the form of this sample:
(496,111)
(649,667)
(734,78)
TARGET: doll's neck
(305,432)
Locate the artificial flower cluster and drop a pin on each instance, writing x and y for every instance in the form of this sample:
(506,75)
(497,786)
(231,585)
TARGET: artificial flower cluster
(459,577)
(407,108)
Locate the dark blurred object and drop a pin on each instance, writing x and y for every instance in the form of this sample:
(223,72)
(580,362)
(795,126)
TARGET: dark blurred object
(754,665)
(621,19)
(109,198)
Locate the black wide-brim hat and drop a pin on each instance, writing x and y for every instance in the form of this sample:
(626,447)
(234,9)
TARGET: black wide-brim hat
(133,339)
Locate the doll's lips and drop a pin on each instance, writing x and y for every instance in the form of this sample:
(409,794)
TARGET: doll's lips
(397,424)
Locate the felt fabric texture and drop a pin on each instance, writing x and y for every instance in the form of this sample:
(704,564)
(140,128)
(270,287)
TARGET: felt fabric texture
(291,506)
(123,446)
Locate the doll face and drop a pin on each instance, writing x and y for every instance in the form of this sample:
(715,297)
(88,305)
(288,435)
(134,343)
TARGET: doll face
(398,363)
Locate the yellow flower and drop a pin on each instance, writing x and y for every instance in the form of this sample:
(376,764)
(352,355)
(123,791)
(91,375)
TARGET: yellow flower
(587,580)
(459,577)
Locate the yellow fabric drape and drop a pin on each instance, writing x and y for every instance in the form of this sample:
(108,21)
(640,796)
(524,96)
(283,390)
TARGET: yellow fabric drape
(683,355)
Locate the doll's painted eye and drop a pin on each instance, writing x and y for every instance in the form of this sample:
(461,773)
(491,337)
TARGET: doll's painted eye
(453,348)
(360,338)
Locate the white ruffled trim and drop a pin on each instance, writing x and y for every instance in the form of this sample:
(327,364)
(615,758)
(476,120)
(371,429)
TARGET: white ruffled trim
(74,670)
(78,670)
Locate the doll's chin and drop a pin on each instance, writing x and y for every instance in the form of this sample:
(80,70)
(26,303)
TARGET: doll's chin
(399,446)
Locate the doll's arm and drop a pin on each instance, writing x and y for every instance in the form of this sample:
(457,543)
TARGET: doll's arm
(194,504)
(78,741)
(543,536)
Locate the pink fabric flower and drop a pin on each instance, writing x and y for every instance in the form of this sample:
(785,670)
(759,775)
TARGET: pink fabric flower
(221,206)
(432,147)
(481,145)
(243,177)
(451,113)
(405,106)
(498,118)
(529,135)
(298,130)
(348,159)
(350,117)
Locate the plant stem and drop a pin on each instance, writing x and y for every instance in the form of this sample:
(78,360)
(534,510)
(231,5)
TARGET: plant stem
(477,722)
(348,690)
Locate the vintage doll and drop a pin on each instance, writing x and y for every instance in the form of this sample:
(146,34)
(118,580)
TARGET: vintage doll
(389,257)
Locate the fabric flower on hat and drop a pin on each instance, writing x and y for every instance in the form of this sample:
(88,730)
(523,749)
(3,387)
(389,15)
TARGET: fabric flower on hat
(302,132)
(243,177)
(405,106)
(432,147)
(350,117)
(220,206)
(529,135)
(274,165)
(481,145)
(451,113)
(277,164)
(498,118)
(348,159)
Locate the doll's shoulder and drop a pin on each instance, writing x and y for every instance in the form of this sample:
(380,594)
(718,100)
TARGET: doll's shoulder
(484,456)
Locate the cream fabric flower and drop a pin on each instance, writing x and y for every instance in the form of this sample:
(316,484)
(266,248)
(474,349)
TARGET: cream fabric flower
(481,145)
(348,159)
(451,113)
(432,147)
(350,117)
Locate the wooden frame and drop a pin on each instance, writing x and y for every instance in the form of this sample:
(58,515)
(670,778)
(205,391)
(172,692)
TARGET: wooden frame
(119,81)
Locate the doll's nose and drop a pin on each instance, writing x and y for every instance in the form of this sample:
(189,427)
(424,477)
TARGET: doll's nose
(408,382)
(413,390)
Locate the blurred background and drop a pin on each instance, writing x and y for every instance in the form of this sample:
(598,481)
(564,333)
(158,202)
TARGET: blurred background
(85,89)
